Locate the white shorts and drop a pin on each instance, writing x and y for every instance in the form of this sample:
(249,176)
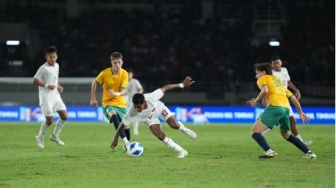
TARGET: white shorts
(49,107)
(165,113)
(291,113)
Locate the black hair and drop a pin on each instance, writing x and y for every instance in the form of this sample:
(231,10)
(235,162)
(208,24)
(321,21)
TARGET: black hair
(130,70)
(51,49)
(138,98)
(264,67)
(275,58)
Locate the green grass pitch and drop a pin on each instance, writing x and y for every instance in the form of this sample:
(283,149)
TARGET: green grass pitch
(223,155)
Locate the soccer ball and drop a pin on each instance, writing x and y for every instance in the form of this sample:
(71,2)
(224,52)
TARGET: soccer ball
(135,149)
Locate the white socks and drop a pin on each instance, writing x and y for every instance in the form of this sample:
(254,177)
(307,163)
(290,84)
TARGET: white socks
(43,129)
(299,137)
(136,128)
(182,127)
(171,144)
(125,140)
(59,125)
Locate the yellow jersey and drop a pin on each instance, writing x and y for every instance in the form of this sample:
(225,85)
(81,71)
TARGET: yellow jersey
(277,94)
(115,83)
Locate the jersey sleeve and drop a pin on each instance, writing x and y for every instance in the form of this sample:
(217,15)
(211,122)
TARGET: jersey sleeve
(100,78)
(289,94)
(286,74)
(139,86)
(261,82)
(155,95)
(39,73)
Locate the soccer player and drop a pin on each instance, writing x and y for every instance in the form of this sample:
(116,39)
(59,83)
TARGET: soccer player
(282,73)
(114,81)
(133,87)
(147,108)
(277,111)
(50,99)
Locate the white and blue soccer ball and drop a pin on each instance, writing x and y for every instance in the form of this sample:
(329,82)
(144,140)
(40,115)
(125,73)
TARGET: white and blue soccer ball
(135,149)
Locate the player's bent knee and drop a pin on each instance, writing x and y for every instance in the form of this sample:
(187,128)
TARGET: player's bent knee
(285,134)
(64,118)
(174,125)
(49,123)
(159,135)
(252,133)
(112,112)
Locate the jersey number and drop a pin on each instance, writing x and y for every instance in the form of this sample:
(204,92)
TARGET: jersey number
(164,113)
(279,85)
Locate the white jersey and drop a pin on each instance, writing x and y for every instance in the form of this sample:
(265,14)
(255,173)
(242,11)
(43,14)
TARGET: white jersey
(49,75)
(150,115)
(132,88)
(283,75)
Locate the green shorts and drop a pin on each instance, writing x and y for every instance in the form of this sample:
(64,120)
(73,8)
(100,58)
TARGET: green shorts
(275,114)
(120,111)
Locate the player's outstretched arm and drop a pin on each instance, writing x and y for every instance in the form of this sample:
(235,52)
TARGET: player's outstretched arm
(116,136)
(186,83)
(303,117)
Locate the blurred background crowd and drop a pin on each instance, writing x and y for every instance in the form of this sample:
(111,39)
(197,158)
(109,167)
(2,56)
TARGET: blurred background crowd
(215,42)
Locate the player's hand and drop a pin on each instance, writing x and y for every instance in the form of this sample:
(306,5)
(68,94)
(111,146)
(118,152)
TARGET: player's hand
(60,89)
(94,103)
(51,87)
(188,81)
(113,93)
(297,94)
(252,102)
(114,143)
(305,119)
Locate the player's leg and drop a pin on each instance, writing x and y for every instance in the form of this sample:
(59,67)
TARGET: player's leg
(284,130)
(266,120)
(111,113)
(168,116)
(136,128)
(60,108)
(294,128)
(155,128)
(58,127)
(266,131)
(298,143)
(121,113)
(126,129)
(256,133)
(48,113)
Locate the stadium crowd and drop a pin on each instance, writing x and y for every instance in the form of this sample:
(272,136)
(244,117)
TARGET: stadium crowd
(168,44)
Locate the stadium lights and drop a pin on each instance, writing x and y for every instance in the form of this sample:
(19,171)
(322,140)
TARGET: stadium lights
(274,42)
(12,42)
